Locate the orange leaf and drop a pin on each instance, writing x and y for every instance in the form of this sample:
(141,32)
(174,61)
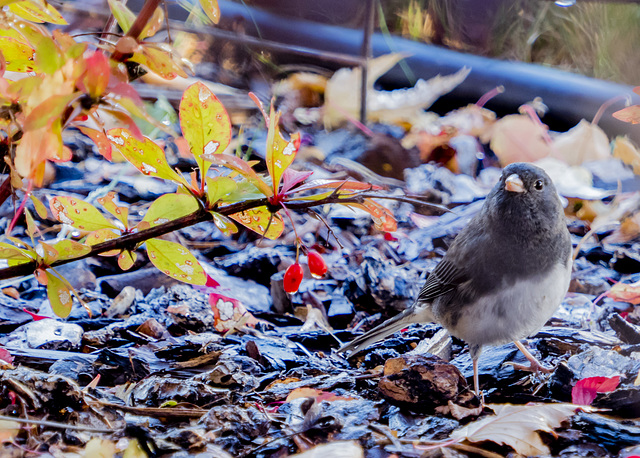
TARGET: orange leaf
(100,139)
(625,292)
(629,114)
(382,217)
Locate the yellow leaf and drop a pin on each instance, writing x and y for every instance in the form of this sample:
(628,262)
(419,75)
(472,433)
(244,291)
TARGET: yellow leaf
(59,295)
(205,124)
(259,219)
(145,155)
(79,214)
(211,9)
(175,261)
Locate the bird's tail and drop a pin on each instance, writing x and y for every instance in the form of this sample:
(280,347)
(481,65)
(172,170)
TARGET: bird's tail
(381,331)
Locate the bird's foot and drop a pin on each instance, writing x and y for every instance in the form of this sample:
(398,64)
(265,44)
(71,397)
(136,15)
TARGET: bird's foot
(534,364)
(532,367)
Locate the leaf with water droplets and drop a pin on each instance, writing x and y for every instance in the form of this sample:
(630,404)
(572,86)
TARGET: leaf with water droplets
(145,155)
(175,261)
(79,214)
(219,187)
(169,207)
(211,9)
(127,259)
(280,152)
(121,213)
(70,249)
(102,235)
(259,219)
(59,295)
(205,123)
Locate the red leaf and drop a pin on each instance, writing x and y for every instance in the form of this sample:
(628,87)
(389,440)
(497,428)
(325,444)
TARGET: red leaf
(211,283)
(95,79)
(34,316)
(585,390)
(6,356)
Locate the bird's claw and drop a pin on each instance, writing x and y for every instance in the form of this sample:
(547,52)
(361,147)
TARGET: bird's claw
(532,367)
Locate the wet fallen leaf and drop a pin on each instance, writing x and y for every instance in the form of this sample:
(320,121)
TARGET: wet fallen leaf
(338,449)
(517,426)
(627,152)
(585,390)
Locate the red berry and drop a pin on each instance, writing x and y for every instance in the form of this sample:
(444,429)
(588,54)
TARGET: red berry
(389,237)
(317,266)
(293,277)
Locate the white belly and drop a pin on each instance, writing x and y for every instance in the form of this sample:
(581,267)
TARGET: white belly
(514,311)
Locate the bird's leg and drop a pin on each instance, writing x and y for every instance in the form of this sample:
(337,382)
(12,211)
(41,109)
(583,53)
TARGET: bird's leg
(476,381)
(534,366)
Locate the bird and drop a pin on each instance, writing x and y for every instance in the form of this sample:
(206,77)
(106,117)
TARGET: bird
(503,276)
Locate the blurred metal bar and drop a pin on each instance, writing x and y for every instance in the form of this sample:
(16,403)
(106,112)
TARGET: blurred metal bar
(366,55)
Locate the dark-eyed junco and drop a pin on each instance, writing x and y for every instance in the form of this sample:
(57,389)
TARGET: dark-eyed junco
(504,274)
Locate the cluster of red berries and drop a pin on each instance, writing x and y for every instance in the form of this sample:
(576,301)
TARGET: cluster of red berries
(294,273)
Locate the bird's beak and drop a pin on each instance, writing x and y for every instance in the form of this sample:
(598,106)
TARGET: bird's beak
(514,183)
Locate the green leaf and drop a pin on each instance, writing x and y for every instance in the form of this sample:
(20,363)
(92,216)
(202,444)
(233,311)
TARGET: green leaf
(211,9)
(124,16)
(79,214)
(175,261)
(15,255)
(48,58)
(205,123)
(169,207)
(70,249)
(40,208)
(121,213)
(258,219)
(243,168)
(226,226)
(146,156)
(32,229)
(59,295)
(280,152)
(219,187)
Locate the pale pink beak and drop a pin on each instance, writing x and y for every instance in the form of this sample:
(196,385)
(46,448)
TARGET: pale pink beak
(514,183)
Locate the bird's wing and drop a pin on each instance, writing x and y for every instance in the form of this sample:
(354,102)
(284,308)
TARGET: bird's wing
(444,278)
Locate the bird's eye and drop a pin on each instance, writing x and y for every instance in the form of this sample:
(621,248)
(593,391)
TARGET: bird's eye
(538,185)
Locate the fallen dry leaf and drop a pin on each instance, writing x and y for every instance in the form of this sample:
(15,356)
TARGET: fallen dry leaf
(517,426)
(342,94)
(582,143)
(517,138)
(627,152)
(625,292)
(339,449)
(8,430)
